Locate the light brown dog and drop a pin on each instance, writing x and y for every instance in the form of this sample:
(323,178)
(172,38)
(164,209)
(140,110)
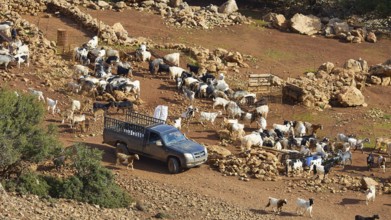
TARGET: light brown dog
(121,158)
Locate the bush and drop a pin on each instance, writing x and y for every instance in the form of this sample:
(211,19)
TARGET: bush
(22,137)
(34,184)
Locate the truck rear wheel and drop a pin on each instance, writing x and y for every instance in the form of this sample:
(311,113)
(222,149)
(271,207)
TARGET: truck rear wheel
(173,165)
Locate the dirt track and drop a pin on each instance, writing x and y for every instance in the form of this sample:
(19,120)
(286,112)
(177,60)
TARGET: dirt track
(284,54)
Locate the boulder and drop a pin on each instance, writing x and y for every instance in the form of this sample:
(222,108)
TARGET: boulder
(221,151)
(350,96)
(327,67)
(276,20)
(308,25)
(367,182)
(341,28)
(103,4)
(228,7)
(371,37)
(354,65)
(120,31)
(386,81)
(120,5)
(175,3)
(375,80)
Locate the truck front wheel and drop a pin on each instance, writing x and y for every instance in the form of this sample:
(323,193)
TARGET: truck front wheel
(173,165)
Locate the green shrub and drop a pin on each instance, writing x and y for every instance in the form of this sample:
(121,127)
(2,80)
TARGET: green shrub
(33,184)
(72,188)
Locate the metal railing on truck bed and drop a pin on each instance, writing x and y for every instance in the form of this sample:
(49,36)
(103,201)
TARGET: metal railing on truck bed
(134,124)
(140,119)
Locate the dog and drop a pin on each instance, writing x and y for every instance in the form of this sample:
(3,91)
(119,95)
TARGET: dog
(121,158)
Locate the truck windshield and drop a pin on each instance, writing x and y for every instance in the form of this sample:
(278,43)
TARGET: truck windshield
(173,137)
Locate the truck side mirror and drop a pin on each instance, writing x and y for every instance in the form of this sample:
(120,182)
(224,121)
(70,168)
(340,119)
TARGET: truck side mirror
(159,143)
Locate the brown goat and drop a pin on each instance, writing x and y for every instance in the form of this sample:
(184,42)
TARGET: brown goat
(121,158)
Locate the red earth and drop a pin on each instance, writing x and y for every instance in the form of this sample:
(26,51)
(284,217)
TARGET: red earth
(283,54)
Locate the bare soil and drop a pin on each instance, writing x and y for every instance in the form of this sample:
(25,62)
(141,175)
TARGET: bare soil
(283,54)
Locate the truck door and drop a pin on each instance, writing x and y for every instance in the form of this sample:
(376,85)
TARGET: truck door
(152,149)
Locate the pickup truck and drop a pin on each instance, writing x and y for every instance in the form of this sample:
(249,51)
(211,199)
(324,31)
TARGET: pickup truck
(151,137)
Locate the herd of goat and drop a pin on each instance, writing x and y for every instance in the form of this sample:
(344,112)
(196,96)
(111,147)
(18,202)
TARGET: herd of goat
(94,76)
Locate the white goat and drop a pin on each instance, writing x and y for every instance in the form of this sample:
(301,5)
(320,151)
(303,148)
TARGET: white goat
(81,70)
(52,104)
(370,195)
(190,95)
(75,106)
(253,139)
(283,128)
(93,43)
(77,119)
(175,72)
(133,86)
(145,56)
(37,93)
(300,129)
(74,87)
(382,163)
(263,123)
(296,165)
(220,101)
(173,58)
(306,205)
(178,123)
(22,58)
(209,116)
(233,110)
(263,110)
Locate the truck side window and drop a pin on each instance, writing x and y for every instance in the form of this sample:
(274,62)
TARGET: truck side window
(153,137)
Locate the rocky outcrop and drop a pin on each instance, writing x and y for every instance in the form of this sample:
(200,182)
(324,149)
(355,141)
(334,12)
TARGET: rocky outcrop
(303,24)
(351,96)
(328,86)
(276,20)
(228,7)
(256,163)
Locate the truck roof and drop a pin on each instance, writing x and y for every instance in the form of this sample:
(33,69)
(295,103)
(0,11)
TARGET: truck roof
(162,128)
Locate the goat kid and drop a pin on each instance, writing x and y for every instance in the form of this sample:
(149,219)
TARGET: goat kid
(52,104)
(276,203)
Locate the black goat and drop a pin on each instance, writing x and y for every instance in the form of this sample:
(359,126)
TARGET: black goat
(163,68)
(123,71)
(359,217)
(207,76)
(123,105)
(193,68)
(111,59)
(104,106)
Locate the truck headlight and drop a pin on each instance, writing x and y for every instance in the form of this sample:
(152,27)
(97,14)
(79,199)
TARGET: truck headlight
(189,157)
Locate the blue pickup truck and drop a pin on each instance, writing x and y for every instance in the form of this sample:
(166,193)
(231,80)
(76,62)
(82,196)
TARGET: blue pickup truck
(151,137)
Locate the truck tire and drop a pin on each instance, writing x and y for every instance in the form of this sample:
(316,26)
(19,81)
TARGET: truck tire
(173,165)
(122,148)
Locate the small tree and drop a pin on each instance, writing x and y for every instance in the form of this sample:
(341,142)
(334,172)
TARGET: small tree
(22,134)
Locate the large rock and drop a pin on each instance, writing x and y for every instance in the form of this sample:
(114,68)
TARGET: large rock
(371,37)
(228,7)
(103,4)
(120,31)
(327,67)
(341,28)
(367,182)
(175,3)
(308,25)
(276,20)
(350,96)
(220,151)
(354,65)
